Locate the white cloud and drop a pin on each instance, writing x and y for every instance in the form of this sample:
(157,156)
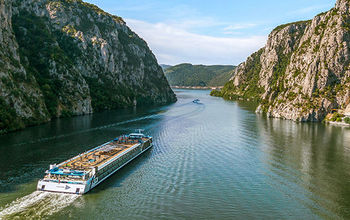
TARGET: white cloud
(238,27)
(172,44)
(235,28)
(195,23)
(310,9)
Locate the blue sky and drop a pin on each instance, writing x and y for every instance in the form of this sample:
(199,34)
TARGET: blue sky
(209,32)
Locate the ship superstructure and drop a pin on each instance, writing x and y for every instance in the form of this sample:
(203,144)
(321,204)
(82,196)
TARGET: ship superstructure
(83,172)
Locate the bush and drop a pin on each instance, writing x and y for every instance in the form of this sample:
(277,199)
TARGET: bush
(216,93)
(347,120)
(339,119)
(9,120)
(336,117)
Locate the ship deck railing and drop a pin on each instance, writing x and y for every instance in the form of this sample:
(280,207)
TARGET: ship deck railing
(62,178)
(124,142)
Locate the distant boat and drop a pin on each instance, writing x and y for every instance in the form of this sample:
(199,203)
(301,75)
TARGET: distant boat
(196,101)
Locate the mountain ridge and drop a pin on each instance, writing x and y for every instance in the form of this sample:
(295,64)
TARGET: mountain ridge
(303,71)
(187,74)
(165,66)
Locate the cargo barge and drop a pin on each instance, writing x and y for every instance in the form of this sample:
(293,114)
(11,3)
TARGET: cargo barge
(83,172)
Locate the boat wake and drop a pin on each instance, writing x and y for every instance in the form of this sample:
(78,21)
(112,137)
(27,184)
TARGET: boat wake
(37,205)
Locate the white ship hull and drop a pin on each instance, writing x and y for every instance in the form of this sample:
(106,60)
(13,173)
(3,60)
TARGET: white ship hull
(63,187)
(105,171)
(100,181)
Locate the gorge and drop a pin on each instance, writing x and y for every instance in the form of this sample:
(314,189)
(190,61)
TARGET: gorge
(67,57)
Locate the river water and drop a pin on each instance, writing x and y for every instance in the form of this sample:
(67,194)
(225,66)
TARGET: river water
(214,160)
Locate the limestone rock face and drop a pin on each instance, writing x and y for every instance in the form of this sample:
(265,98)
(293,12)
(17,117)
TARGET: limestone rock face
(303,71)
(347,111)
(67,57)
(21,100)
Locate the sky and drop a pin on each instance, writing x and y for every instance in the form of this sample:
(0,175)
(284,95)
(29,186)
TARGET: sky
(206,31)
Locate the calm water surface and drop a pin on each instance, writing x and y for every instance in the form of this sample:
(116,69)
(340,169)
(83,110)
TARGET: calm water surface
(215,160)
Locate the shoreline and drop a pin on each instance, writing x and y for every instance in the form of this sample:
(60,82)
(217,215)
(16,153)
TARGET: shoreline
(197,87)
(326,120)
(343,124)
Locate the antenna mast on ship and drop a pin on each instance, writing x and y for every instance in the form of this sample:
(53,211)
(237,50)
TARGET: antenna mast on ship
(140,131)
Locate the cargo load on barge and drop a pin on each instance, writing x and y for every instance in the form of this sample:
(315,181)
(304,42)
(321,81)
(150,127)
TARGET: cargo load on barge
(83,172)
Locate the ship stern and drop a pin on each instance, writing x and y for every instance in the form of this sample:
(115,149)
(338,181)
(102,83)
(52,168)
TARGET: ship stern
(62,187)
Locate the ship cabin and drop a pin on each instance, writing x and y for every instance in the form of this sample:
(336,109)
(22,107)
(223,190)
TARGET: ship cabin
(136,136)
(66,175)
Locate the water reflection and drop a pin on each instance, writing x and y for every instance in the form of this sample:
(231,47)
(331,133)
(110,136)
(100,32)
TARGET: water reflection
(312,156)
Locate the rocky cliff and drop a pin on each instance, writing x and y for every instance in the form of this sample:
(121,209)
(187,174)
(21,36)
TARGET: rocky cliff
(67,57)
(303,72)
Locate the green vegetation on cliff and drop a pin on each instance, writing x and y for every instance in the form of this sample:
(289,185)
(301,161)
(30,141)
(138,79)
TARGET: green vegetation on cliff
(249,89)
(67,57)
(280,27)
(198,75)
(37,46)
(8,118)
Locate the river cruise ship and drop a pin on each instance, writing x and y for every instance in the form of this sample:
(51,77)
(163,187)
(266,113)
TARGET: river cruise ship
(83,172)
